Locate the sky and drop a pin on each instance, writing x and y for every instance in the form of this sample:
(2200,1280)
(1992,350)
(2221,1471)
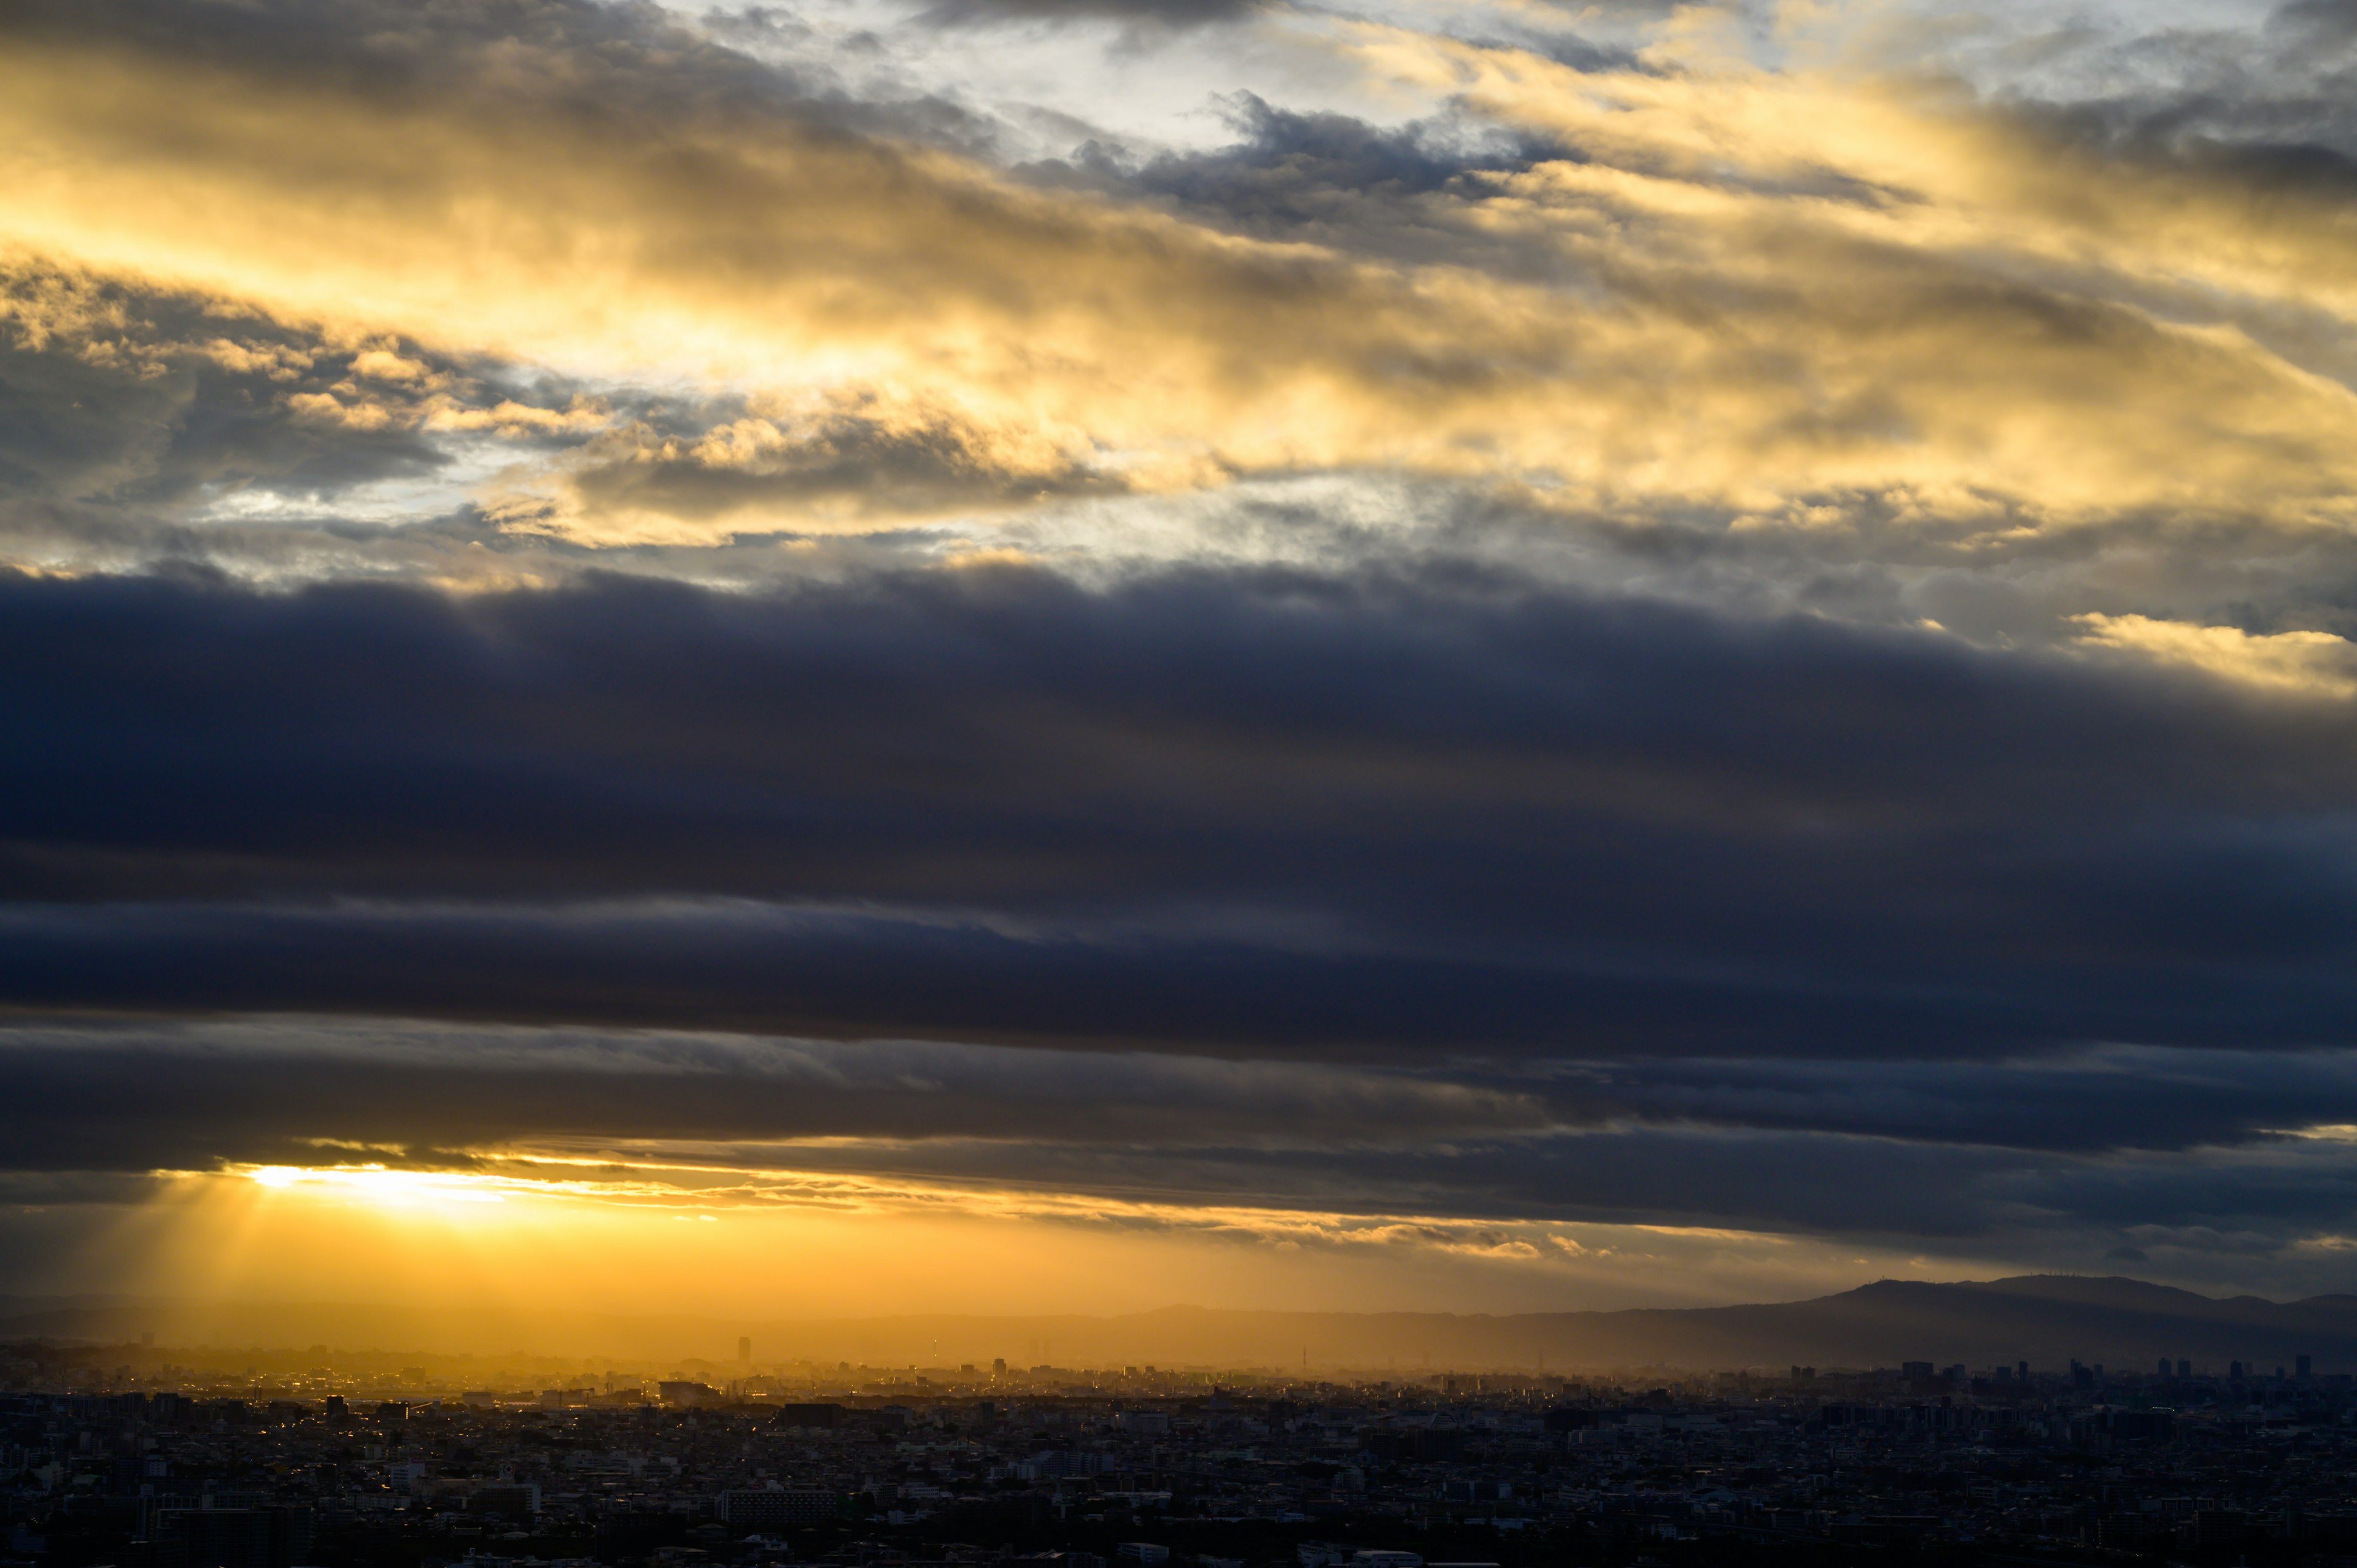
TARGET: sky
(876,656)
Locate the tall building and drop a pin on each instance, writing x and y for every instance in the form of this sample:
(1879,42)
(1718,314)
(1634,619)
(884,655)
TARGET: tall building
(515,1503)
(745,1347)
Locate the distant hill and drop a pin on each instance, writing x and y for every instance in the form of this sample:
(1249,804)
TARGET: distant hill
(2044,1319)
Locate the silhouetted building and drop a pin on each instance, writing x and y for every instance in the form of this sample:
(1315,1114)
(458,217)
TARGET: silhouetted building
(778,1508)
(2219,1528)
(826,1416)
(516,1502)
(238,1537)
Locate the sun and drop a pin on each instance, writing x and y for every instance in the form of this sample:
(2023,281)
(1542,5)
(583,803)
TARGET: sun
(383,1186)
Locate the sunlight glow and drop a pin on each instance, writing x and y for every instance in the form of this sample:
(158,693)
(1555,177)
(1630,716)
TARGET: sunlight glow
(379,1184)
(643,1229)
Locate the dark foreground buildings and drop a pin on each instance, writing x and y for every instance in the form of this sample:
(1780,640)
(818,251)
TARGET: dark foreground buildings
(1143,1469)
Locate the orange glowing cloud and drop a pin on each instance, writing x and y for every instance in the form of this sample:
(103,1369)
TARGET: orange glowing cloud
(1752,289)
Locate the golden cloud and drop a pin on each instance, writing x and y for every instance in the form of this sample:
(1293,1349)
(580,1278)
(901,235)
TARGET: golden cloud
(1756,289)
(2305,663)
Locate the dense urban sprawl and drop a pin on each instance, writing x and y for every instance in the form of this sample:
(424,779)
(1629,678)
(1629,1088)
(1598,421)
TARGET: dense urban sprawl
(147,1463)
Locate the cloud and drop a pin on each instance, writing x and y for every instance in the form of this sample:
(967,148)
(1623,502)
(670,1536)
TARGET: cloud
(1877,295)
(1436,1158)
(841,464)
(1175,13)
(1255,811)
(153,424)
(1655,633)
(1310,1149)
(2311,663)
(201,1095)
(132,403)
(2090,1100)
(1411,193)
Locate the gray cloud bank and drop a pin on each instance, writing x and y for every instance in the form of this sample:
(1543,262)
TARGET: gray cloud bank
(1243,810)
(2177,1156)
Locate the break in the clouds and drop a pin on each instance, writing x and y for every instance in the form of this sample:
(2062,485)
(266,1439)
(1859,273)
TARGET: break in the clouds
(1451,630)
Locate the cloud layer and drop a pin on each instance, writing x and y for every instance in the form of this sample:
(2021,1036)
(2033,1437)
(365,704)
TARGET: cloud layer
(1733,619)
(1229,809)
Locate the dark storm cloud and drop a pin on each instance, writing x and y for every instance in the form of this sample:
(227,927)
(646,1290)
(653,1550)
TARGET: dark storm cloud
(1446,1141)
(2053,1208)
(1643,1176)
(137,1096)
(2075,1102)
(1245,810)
(851,976)
(191,1097)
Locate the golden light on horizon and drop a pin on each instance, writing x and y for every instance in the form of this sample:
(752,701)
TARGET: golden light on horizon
(787,1243)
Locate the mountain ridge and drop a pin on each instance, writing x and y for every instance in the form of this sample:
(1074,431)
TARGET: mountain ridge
(2046,1319)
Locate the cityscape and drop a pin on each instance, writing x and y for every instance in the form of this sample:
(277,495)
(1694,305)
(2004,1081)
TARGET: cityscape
(142,1457)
